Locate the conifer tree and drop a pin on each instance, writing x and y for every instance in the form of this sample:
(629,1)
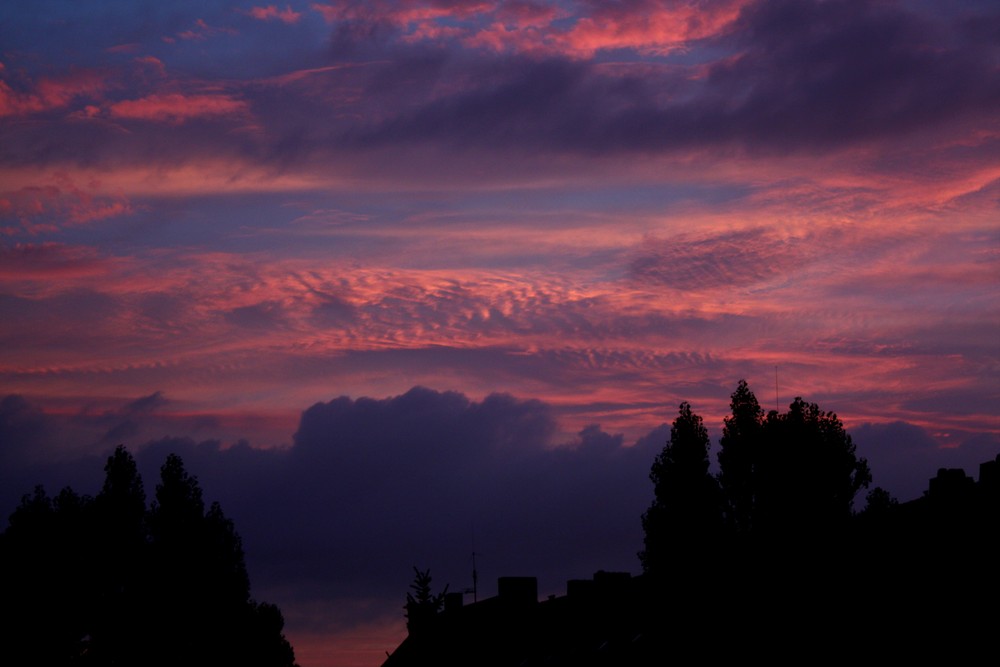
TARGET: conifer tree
(422,605)
(740,446)
(684,519)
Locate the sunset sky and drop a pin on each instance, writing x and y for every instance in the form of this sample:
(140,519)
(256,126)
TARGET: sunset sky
(404,279)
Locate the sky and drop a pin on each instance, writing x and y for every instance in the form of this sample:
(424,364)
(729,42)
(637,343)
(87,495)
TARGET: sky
(403,280)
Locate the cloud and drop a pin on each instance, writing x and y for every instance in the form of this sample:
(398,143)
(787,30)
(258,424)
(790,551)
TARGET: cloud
(823,73)
(851,82)
(41,261)
(153,63)
(200,31)
(799,76)
(50,93)
(178,108)
(731,259)
(578,30)
(59,200)
(648,27)
(272,13)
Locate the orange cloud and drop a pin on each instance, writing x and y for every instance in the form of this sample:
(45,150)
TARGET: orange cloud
(177,108)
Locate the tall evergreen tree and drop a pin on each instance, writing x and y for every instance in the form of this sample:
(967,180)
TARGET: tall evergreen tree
(739,448)
(121,545)
(204,613)
(422,606)
(684,519)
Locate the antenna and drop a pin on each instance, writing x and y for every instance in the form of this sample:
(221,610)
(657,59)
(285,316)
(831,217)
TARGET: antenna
(475,574)
(777,407)
(475,579)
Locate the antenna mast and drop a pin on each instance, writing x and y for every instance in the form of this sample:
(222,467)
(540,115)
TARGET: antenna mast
(475,574)
(777,408)
(475,579)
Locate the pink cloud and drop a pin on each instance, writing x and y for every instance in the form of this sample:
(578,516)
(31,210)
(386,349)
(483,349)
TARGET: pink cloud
(272,13)
(201,30)
(523,14)
(653,27)
(50,93)
(498,37)
(153,63)
(131,47)
(404,12)
(568,338)
(49,261)
(60,202)
(92,211)
(649,27)
(177,108)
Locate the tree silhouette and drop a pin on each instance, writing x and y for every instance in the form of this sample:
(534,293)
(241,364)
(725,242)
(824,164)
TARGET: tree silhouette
(107,582)
(122,548)
(684,519)
(739,448)
(789,474)
(807,473)
(202,585)
(422,605)
(45,555)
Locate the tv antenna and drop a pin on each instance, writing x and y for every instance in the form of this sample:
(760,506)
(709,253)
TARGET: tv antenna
(475,579)
(777,407)
(475,574)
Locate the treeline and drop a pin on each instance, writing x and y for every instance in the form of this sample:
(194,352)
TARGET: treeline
(792,475)
(108,580)
(771,547)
